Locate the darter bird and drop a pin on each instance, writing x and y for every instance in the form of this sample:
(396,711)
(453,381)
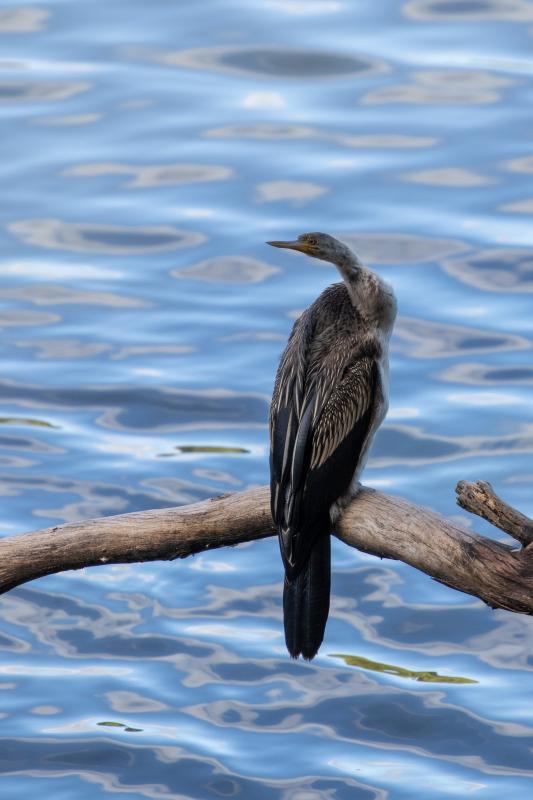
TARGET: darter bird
(330,396)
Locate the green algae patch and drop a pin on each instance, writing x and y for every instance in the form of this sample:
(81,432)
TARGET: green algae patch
(400,672)
(36,423)
(121,725)
(108,724)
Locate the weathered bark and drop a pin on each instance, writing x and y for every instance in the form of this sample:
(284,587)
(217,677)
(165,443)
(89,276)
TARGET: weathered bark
(479,498)
(374,522)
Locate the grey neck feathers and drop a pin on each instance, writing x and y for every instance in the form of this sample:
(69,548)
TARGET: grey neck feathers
(364,286)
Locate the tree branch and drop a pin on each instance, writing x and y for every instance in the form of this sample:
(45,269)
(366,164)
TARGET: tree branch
(481,499)
(374,522)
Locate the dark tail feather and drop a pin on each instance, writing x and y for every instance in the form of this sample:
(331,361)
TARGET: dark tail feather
(306,602)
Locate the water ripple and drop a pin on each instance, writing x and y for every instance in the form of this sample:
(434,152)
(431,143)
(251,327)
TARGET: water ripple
(372,141)
(17,318)
(129,408)
(489,374)
(296,192)
(273,62)
(38,91)
(156,175)
(61,348)
(449,176)
(111,239)
(520,207)
(395,248)
(53,295)
(228,269)
(473,10)
(499,270)
(404,444)
(23,20)
(405,126)
(69,119)
(442,88)
(426,339)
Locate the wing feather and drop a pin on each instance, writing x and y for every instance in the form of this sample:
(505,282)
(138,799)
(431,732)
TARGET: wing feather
(348,402)
(322,444)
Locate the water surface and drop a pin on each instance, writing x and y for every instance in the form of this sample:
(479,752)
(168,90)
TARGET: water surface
(148,151)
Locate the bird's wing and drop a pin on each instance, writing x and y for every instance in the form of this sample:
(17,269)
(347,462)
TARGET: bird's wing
(285,408)
(315,452)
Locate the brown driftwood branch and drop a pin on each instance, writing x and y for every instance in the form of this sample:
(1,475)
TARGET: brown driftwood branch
(480,498)
(374,522)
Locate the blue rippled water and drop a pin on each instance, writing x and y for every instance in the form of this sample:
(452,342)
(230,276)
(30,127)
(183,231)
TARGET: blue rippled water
(148,151)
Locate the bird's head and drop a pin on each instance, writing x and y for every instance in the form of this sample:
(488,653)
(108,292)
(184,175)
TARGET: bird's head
(373,298)
(317,245)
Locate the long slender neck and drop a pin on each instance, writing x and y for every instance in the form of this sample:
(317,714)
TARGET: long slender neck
(363,285)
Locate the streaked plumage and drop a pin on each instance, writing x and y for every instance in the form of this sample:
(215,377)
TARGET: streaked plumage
(330,395)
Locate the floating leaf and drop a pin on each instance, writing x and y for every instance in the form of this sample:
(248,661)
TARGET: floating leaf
(400,672)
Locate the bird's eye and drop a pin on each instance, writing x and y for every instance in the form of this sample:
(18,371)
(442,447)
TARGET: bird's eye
(312,241)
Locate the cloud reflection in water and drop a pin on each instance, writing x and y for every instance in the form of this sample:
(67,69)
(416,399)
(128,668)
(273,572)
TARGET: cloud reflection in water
(273,62)
(469,10)
(155,175)
(442,88)
(295,192)
(370,141)
(228,269)
(421,338)
(401,248)
(498,270)
(448,176)
(21,318)
(489,374)
(52,295)
(95,238)
(40,91)
(23,20)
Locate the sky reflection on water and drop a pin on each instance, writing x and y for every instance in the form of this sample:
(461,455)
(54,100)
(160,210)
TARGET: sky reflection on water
(147,156)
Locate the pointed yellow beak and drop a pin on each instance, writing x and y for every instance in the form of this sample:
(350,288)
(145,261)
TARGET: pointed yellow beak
(295,245)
